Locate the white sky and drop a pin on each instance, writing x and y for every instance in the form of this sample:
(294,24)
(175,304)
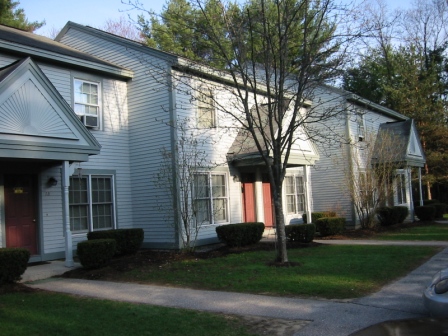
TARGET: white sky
(95,13)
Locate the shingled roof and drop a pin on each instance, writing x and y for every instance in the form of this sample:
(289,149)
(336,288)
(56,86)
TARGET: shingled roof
(24,43)
(399,142)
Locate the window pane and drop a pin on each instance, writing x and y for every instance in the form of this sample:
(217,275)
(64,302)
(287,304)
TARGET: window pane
(289,184)
(300,203)
(290,204)
(205,111)
(203,211)
(201,186)
(299,184)
(218,185)
(86,97)
(220,210)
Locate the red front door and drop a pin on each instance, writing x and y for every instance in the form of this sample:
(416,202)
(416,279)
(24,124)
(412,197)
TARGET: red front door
(268,205)
(20,211)
(248,185)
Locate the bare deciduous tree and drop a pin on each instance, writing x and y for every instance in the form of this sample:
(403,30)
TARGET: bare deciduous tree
(370,168)
(274,55)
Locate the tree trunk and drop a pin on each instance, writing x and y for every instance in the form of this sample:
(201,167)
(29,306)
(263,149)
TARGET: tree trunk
(282,253)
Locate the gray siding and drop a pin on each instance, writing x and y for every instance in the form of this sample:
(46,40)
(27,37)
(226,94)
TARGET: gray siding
(148,104)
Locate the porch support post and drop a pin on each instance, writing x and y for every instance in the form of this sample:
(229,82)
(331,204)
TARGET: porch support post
(259,211)
(420,185)
(65,203)
(411,198)
(306,178)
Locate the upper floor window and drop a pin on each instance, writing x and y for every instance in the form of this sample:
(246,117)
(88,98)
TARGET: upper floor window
(87,102)
(295,194)
(206,114)
(211,198)
(91,200)
(360,123)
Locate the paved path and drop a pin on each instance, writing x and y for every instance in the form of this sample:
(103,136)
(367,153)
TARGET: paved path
(401,299)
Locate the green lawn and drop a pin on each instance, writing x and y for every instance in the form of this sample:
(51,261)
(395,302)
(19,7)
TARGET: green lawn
(424,232)
(49,314)
(325,271)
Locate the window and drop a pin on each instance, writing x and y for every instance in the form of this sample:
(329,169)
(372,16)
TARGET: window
(91,200)
(361,126)
(210,198)
(401,189)
(206,117)
(295,194)
(87,102)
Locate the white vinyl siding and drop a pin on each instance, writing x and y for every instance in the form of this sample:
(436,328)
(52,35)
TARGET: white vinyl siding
(211,198)
(295,194)
(91,201)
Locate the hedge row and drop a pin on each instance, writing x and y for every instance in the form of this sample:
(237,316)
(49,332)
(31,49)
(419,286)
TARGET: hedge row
(328,226)
(316,215)
(240,234)
(96,253)
(302,233)
(128,241)
(392,215)
(13,263)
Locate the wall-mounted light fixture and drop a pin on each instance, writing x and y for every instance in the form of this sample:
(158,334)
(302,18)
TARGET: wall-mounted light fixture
(52,182)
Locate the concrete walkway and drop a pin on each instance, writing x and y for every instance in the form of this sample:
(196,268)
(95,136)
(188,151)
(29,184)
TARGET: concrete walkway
(399,300)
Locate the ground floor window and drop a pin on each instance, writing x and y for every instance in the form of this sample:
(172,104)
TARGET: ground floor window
(91,199)
(295,194)
(211,198)
(401,189)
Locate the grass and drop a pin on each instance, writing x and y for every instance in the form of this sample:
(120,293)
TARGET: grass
(42,313)
(328,271)
(422,233)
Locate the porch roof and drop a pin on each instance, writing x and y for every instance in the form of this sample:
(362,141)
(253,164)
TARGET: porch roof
(399,142)
(35,120)
(244,151)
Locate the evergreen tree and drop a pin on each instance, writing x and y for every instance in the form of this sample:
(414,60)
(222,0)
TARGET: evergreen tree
(15,17)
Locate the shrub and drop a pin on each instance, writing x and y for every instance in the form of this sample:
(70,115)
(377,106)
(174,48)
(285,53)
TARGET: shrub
(316,215)
(303,233)
(13,263)
(425,212)
(128,240)
(328,226)
(96,253)
(392,215)
(240,234)
(440,209)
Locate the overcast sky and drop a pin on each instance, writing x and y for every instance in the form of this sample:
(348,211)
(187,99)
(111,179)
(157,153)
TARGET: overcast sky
(95,13)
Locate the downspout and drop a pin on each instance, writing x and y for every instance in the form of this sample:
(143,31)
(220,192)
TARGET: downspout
(66,215)
(174,157)
(350,163)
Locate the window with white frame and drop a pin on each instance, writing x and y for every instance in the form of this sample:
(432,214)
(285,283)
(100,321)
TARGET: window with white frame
(210,198)
(295,194)
(91,199)
(87,102)
(401,189)
(206,114)
(360,123)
